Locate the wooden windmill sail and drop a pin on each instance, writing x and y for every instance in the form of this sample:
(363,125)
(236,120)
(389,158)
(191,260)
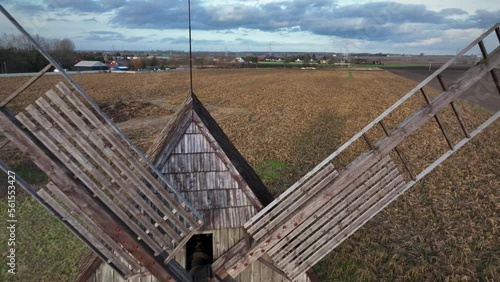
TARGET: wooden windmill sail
(326,206)
(103,188)
(123,207)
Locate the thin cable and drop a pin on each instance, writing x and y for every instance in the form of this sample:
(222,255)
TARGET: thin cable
(190,52)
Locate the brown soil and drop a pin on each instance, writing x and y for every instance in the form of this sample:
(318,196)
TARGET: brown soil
(445,228)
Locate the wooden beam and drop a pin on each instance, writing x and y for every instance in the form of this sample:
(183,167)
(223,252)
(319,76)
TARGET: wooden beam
(398,152)
(25,86)
(110,257)
(483,49)
(438,120)
(273,268)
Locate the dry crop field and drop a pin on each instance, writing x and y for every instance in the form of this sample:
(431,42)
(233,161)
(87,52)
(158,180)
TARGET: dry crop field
(447,227)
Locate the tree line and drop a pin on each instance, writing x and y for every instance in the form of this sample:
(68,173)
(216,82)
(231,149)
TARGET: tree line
(17,53)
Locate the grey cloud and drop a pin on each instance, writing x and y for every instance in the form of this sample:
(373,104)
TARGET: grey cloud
(110,36)
(86,6)
(29,8)
(452,12)
(376,21)
(76,5)
(56,20)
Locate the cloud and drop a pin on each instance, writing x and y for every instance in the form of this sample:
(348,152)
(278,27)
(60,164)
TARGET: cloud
(75,5)
(453,12)
(31,9)
(93,19)
(86,6)
(421,43)
(374,21)
(56,20)
(110,36)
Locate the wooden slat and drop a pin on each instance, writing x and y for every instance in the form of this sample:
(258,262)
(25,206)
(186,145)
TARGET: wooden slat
(118,163)
(96,139)
(438,120)
(334,218)
(283,200)
(93,171)
(236,264)
(306,231)
(59,174)
(76,211)
(361,219)
(103,164)
(179,204)
(307,210)
(85,179)
(284,212)
(25,86)
(398,152)
(84,232)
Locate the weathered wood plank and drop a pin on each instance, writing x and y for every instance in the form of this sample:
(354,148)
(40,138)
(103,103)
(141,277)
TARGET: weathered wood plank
(75,190)
(112,258)
(307,231)
(347,207)
(237,263)
(75,210)
(86,180)
(178,203)
(351,228)
(117,178)
(277,206)
(242,184)
(291,209)
(93,171)
(103,164)
(124,183)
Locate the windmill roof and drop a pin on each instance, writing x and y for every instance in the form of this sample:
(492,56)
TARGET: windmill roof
(90,64)
(176,128)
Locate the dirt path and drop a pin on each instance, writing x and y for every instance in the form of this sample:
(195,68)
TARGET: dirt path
(483,93)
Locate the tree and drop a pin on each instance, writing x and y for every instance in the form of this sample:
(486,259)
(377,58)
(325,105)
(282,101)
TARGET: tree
(20,55)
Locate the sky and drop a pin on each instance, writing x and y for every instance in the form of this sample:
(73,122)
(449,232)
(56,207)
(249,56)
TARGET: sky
(401,26)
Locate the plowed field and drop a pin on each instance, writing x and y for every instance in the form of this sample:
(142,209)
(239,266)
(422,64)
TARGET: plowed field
(445,228)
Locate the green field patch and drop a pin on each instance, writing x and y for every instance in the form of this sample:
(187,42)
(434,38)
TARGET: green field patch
(270,170)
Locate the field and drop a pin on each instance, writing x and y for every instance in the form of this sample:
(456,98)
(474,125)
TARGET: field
(284,122)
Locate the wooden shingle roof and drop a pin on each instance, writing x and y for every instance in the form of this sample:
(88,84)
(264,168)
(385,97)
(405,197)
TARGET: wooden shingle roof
(193,111)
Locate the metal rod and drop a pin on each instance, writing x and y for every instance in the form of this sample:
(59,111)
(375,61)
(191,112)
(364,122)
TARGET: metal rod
(398,152)
(438,120)
(497,31)
(190,51)
(368,141)
(455,110)
(483,49)
(25,86)
(100,112)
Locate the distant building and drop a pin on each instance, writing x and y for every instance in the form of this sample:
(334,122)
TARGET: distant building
(90,65)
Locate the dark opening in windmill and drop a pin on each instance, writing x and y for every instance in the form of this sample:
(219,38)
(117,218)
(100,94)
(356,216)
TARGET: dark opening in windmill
(199,251)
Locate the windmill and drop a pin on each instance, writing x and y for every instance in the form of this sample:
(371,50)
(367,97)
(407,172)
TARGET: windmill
(88,160)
